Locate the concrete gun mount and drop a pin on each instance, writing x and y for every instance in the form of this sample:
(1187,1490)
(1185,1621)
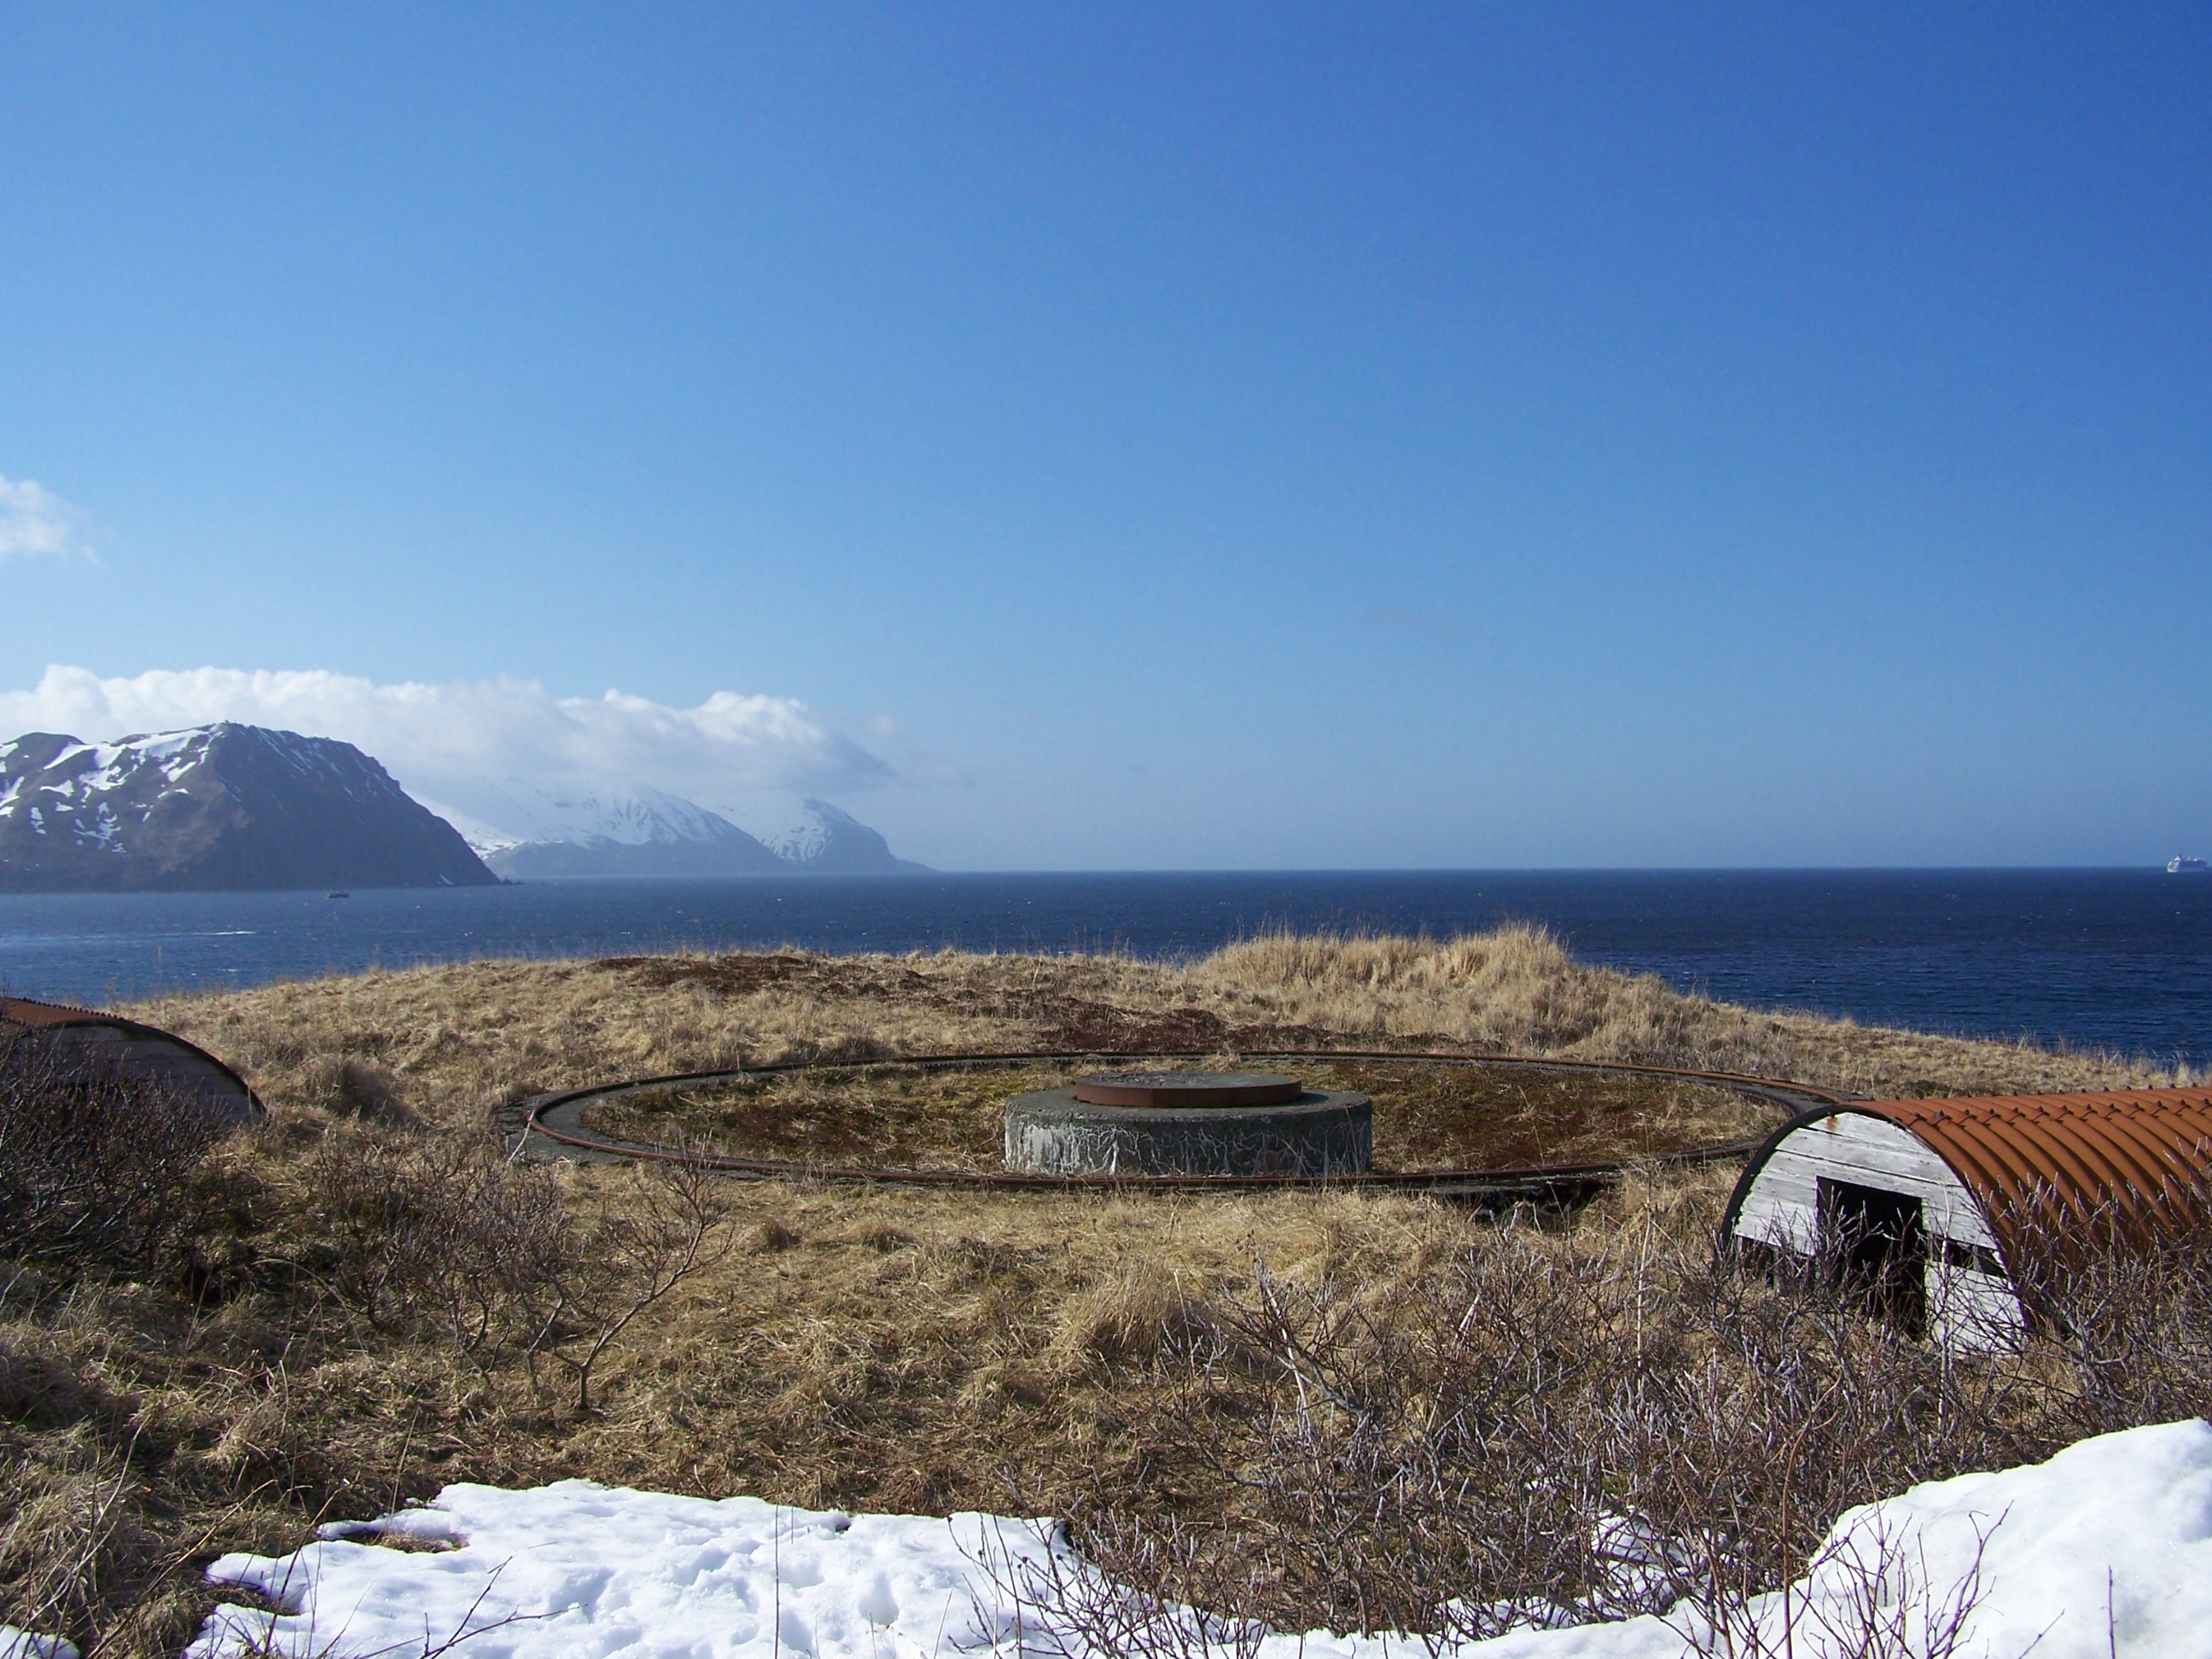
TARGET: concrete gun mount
(1190,1123)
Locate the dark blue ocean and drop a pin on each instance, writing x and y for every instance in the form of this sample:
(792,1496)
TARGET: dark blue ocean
(2118,959)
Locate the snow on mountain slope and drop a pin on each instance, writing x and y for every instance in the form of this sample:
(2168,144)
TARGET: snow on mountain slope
(215,806)
(2105,1550)
(516,813)
(810,835)
(536,832)
(823,840)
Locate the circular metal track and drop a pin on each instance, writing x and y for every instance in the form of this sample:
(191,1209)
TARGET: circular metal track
(558,1120)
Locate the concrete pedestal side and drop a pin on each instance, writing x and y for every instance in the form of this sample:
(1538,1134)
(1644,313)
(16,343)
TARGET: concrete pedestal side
(1317,1132)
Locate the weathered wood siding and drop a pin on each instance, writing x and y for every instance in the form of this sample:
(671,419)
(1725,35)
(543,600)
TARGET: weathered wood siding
(1967,1307)
(1972,1311)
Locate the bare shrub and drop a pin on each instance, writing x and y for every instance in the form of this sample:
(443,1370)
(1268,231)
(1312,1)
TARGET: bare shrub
(445,1232)
(2123,1305)
(637,1246)
(1778,1404)
(1151,1605)
(1553,1430)
(486,1254)
(353,1087)
(1393,1457)
(94,1164)
(1869,1594)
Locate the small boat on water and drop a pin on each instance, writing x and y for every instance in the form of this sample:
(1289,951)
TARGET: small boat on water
(2187,866)
(341,895)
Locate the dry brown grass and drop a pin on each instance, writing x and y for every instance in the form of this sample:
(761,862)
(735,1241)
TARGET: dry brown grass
(895,1350)
(1518,990)
(901,1350)
(461,1038)
(1455,1444)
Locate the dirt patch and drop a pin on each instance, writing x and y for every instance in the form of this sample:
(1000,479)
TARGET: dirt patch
(886,1117)
(746,974)
(1052,1015)
(1484,1115)
(1427,1115)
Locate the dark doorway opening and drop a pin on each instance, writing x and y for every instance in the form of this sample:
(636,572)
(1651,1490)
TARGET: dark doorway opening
(1880,1250)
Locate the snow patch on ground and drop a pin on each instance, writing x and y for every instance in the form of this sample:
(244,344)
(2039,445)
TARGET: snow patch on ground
(577,1569)
(27,1644)
(2105,1548)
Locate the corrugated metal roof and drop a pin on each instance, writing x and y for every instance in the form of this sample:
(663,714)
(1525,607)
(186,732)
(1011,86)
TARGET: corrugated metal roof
(2142,1156)
(2045,1168)
(23,1013)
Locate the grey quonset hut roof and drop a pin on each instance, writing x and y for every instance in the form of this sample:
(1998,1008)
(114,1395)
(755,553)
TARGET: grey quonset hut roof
(141,1053)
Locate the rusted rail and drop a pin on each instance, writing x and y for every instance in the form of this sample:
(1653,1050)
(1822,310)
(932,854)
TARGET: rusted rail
(558,1120)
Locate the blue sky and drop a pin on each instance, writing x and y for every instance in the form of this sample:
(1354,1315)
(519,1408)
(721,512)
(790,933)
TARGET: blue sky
(1214,436)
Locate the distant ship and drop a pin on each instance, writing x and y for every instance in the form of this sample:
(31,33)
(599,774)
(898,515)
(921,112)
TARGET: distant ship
(2187,866)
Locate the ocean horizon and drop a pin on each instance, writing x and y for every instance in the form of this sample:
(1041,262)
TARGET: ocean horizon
(2113,958)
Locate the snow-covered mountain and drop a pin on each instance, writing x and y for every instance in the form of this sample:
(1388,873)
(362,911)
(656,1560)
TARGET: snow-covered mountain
(825,840)
(627,832)
(535,834)
(243,806)
(222,806)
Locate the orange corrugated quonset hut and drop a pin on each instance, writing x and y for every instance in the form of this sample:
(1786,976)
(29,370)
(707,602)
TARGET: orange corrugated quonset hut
(144,1052)
(1947,1206)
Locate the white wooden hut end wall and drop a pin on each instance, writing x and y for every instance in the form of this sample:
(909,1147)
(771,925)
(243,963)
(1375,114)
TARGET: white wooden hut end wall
(1950,1200)
(1791,1197)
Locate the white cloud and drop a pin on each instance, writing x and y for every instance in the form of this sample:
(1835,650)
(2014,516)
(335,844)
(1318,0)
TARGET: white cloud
(35,521)
(474,749)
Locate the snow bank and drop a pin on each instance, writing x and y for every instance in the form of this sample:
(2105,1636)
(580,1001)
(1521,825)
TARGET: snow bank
(28,1644)
(576,1569)
(2107,1547)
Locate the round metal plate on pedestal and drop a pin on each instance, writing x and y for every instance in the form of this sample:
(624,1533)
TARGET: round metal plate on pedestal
(1207,1089)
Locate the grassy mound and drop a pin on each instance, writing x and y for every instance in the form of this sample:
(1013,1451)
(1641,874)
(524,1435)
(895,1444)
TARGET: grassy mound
(360,1302)
(456,1039)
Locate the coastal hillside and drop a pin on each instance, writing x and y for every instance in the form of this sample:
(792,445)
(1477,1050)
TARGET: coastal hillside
(364,1300)
(221,807)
